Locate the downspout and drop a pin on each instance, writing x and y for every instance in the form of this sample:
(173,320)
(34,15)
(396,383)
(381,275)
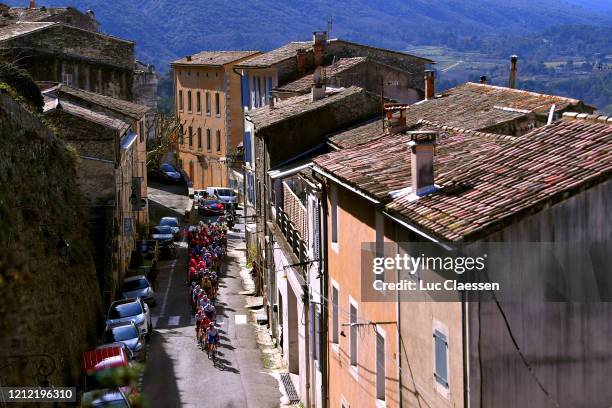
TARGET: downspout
(324,345)
(306,308)
(465,345)
(399,334)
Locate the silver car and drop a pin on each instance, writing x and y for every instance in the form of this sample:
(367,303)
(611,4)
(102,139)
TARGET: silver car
(138,287)
(130,310)
(226,195)
(128,334)
(174,225)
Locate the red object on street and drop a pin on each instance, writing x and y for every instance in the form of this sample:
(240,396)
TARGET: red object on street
(103,359)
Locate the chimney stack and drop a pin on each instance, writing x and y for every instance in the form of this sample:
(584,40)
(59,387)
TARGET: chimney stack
(318,85)
(271,103)
(512,82)
(395,118)
(32,4)
(188,58)
(430,86)
(319,41)
(300,57)
(483,79)
(422,161)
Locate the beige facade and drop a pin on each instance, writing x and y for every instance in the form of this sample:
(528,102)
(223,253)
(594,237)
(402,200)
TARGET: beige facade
(207,95)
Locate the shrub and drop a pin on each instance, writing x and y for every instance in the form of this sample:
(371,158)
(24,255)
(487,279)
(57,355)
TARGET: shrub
(22,83)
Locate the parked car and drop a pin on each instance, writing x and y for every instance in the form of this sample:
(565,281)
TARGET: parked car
(198,194)
(107,397)
(130,310)
(97,361)
(138,287)
(128,334)
(165,240)
(226,195)
(211,207)
(167,173)
(125,348)
(174,225)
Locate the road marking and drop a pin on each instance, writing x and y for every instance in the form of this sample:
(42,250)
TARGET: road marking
(240,319)
(162,312)
(174,320)
(154,320)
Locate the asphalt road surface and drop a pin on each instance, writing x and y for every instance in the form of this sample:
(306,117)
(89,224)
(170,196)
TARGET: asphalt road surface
(178,373)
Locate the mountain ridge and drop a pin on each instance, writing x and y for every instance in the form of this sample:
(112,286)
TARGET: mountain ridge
(164,31)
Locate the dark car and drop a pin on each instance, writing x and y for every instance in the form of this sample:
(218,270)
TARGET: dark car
(114,398)
(165,239)
(128,334)
(166,174)
(174,225)
(211,206)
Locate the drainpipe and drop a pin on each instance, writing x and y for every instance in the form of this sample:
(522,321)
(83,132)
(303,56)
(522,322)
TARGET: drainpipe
(399,336)
(324,345)
(306,303)
(465,339)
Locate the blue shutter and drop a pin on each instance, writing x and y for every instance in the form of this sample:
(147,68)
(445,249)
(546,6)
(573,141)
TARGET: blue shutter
(255,104)
(247,147)
(269,87)
(246,92)
(441,346)
(259,94)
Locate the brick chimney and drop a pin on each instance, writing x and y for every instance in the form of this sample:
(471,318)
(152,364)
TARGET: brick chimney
(422,151)
(483,79)
(188,57)
(32,4)
(430,84)
(271,103)
(319,42)
(395,118)
(300,57)
(513,61)
(318,84)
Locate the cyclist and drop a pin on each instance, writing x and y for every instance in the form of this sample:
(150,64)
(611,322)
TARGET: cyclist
(212,338)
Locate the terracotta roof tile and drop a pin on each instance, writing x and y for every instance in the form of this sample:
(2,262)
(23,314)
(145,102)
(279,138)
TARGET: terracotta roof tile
(215,58)
(303,84)
(19,29)
(267,59)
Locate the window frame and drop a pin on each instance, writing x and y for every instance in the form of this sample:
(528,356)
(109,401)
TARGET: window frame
(199,138)
(189,102)
(353,339)
(217,104)
(190,136)
(218,139)
(208,103)
(335,233)
(199,102)
(181,106)
(442,385)
(208,140)
(335,315)
(381,399)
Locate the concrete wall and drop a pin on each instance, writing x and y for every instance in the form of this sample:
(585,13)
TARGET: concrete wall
(50,304)
(566,344)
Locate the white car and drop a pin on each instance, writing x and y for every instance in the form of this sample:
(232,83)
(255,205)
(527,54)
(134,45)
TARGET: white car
(226,195)
(134,310)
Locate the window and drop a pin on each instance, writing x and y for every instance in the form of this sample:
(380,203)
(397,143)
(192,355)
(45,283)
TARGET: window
(380,364)
(255,94)
(440,358)
(190,136)
(181,134)
(188,101)
(199,138)
(217,104)
(180,100)
(198,102)
(259,93)
(208,144)
(208,103)
(333,197)
(380,234)
(218,137)
(353,333)
(335,321)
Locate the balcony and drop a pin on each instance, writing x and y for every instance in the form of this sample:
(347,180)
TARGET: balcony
(292,219)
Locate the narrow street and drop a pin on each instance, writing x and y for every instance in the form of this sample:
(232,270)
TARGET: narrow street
(178,373)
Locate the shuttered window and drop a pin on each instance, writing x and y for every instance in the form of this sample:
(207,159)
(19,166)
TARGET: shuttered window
(441,358)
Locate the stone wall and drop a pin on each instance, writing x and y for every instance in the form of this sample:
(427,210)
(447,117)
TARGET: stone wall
(50,311)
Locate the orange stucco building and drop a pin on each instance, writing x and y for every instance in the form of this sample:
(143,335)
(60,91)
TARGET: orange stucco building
(208,105)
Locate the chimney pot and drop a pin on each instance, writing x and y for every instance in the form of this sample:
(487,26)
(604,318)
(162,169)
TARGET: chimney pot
(188,58)
(318,85)
(395,121)
(513,69)
(483,79)
(430,87)
(422,144)
(32,4)
(271,103)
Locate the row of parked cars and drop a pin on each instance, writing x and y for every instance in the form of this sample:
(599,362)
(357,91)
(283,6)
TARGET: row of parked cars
(108,370)
(215,200)
(166,233)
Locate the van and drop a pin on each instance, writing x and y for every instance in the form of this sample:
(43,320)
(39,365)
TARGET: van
(226,195)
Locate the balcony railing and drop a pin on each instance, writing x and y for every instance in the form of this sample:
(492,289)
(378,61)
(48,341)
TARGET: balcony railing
(292,235)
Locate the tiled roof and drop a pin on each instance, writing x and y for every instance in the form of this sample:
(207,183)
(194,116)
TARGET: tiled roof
(340,42)
(480,106)
(383,165)
(535,170)
(267,59)
(19,29)
(303,84)
(360,134)
(215,58)
(35,14)
(130,109)
(93,116)
(298,105)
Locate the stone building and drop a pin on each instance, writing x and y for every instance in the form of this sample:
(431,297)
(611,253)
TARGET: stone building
(59,52)
(67,15)
(109,136)
(145,92)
